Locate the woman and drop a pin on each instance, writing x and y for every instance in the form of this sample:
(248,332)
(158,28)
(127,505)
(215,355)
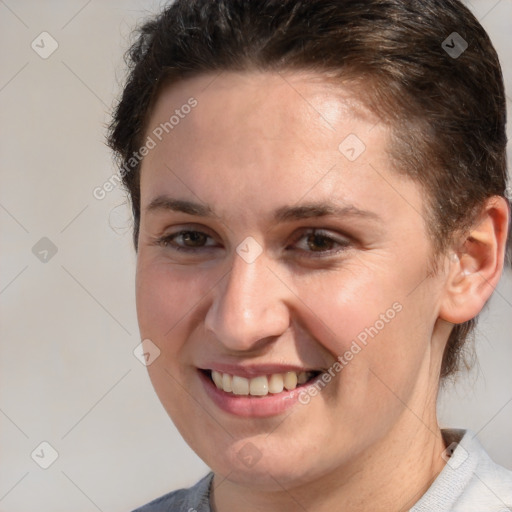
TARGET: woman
(318,190)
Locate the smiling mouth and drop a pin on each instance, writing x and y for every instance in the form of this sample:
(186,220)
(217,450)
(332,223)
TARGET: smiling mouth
(261,385)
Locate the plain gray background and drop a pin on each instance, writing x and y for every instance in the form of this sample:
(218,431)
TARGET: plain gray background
(68,324)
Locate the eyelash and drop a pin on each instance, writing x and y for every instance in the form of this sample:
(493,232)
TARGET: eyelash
(168,241)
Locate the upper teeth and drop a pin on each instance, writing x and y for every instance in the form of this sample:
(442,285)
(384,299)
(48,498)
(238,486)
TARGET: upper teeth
(261,385)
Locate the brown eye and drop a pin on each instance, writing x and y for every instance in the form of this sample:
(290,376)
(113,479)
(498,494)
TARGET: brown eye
(193,238)
(187,240)
(318,242)
(321,242)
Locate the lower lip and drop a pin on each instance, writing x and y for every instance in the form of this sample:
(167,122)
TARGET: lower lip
(248,406)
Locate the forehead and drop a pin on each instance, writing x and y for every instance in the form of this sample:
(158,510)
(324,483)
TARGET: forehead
(256,139)
(249,98)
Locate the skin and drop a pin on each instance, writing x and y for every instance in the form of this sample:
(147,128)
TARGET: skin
(257,142)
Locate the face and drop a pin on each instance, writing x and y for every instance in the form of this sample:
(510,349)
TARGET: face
(273,249)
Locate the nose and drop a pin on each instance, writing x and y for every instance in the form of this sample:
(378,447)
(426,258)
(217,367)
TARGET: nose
(249,308)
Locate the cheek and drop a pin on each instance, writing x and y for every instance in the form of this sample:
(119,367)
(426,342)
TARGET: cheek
(371,325)
(168,304)
(368,320)
(165,296)
(346,304)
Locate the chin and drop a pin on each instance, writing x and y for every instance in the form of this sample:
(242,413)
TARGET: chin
(244,465)
(267,477)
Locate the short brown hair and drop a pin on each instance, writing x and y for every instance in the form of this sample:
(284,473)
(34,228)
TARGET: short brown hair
(447,109)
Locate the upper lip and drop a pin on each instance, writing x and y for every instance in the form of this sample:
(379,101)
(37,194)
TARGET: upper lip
(254,370)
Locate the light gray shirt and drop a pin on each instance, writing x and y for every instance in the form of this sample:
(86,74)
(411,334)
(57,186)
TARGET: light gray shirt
(469,482)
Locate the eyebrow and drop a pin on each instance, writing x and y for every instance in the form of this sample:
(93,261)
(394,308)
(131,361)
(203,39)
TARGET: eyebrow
(283,214)
(311,210)
(165,203)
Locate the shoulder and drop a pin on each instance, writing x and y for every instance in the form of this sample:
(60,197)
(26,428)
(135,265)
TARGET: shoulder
(489,487)
(193,499)
(470,482)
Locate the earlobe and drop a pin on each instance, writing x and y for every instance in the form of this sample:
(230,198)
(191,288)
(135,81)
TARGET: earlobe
(475,266)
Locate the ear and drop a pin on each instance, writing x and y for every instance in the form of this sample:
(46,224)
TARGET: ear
(475,266)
